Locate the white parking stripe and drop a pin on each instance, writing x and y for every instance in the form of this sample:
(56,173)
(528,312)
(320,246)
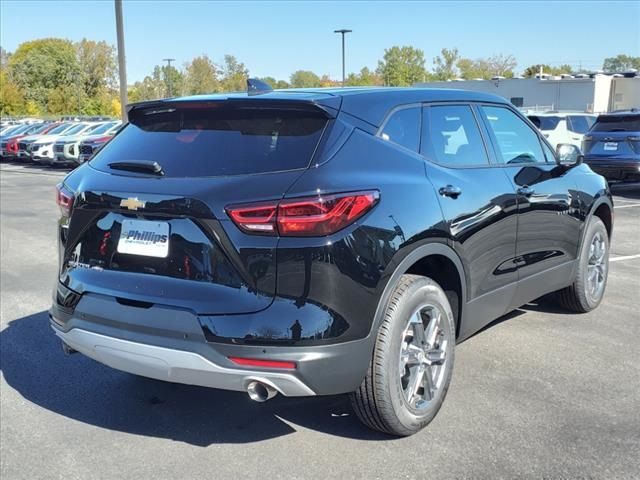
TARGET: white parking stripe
(626,257)
(627,206)
(616,200)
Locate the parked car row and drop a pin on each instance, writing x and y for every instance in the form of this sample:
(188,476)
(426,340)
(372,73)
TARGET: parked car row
(55,143)
(609,142)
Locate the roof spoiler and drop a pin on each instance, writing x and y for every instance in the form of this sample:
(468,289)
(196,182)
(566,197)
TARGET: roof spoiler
(257,87)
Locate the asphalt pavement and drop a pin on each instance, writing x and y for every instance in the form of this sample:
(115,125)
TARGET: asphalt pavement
(539,394)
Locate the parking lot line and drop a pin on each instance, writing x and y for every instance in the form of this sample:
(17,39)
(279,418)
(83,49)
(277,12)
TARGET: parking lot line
(626,257)
(627,206)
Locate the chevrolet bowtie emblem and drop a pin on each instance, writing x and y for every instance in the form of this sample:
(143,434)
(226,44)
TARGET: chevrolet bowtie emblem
(132,203)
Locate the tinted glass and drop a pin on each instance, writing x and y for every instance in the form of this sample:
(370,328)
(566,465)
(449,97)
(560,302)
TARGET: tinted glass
(617,123)
(59,129)
(451,136)
(103,128)
(545,123)
(196,142)
(551,157)
(579,123)
(76,129)
(516,141)
(403,128)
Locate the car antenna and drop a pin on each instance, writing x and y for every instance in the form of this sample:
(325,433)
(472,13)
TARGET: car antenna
(257,87)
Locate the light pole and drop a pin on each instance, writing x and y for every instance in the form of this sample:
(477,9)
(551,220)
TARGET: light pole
(342,31)
(122,71)
(169,60)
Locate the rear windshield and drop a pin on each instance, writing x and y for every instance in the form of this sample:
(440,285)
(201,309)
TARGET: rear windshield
(617,123)
(217,141)
(580,123)
(545,123)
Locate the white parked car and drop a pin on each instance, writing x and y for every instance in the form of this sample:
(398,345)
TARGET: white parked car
(563,127)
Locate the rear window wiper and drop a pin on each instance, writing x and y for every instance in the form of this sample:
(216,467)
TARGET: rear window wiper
(141,166)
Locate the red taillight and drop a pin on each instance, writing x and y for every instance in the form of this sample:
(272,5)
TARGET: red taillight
(311,216)
(258,218)
(254,362)
(64,199)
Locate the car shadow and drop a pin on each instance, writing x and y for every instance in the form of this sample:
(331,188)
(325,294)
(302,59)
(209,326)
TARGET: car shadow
(32,362)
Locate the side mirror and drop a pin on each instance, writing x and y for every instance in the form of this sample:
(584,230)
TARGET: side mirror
(569,154)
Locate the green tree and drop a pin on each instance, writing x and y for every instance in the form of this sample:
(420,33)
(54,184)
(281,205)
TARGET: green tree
(534,70)
(97,62)
(173,81)
(41,66)
(272,82)
(11,97)
(364,78)
(304,79)
(282,84)
(486,68)
(445,64)
(64,100)
(151,87)
(402,66)
(621,63)
(234,75)
(501,65)
(201,76)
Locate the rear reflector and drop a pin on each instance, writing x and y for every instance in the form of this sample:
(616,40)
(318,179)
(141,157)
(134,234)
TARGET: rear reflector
(303,217)
(254,362)
(64,199)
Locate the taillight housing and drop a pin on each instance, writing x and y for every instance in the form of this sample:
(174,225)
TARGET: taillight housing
(315,216)
(64,199)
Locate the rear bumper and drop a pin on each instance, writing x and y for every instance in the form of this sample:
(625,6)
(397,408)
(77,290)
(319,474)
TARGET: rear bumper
(169,344)
(174,365)
(615,169)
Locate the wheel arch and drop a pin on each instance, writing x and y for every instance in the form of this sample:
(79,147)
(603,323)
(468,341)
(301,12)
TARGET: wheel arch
(437,261)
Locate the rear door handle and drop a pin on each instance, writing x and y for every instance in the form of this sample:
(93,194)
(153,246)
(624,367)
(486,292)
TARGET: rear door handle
(525,191)
(450,191)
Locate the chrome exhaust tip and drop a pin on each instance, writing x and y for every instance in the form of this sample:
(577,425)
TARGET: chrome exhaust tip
(260,392)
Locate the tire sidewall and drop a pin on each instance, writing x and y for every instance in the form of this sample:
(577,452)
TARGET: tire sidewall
(594,227)
(420,292)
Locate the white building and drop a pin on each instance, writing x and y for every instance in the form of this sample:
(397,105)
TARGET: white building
(600,94)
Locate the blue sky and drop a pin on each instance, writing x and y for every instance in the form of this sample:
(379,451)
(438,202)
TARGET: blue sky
(276,38)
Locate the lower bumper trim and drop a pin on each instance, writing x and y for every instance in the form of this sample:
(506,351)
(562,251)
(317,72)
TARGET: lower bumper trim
(176,366)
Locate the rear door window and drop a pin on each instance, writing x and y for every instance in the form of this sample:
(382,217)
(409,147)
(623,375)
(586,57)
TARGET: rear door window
(515,140)
(546,123)
(188,141)
(579,123)
(617,123)
(403,128)
(450,136)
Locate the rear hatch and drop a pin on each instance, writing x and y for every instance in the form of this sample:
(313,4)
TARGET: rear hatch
(614,137)
(148,223)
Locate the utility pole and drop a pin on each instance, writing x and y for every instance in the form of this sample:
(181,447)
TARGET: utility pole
(168,75)
(122,69)
(343,31)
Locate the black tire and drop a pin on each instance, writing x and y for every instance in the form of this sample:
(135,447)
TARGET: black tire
(577,296)
(380,402)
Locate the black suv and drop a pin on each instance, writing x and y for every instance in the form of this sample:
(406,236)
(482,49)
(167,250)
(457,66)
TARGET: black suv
(321,242)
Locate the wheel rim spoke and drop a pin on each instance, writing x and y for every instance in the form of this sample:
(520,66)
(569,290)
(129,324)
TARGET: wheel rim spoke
(423,356)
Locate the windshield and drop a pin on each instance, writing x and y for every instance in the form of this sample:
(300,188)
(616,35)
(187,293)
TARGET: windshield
(59,129)
(197,142)
(102,128)
(617,123)
(76,129)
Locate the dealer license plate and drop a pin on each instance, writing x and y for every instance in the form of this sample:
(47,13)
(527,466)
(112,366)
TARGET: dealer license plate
(142,237)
